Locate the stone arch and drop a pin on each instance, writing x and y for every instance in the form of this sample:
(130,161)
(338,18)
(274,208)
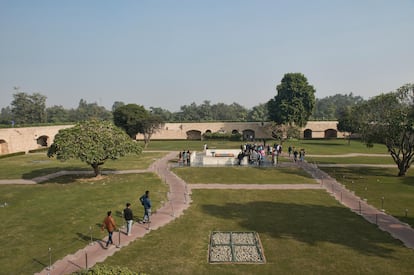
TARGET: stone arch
(307,133)
(194,134)
(331,133)
(43,141)
(248,134)
(4,147)
(208,131)
(234,132)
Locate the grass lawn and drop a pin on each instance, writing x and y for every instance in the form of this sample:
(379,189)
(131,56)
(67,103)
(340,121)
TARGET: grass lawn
(302,232)
(387,159)
(58,214)
(33,165)
(315,147)
(375,183)
(243,175)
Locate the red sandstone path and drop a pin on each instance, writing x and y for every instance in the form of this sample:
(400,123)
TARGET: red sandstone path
(179,199)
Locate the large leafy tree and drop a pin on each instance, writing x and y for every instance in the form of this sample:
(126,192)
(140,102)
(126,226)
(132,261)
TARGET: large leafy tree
(294,101)
(135,119)
(389,119)
(27,109)
(93,142)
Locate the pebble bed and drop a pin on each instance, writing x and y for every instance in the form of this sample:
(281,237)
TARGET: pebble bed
(235,247)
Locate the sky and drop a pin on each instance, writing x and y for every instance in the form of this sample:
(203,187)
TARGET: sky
(165,53)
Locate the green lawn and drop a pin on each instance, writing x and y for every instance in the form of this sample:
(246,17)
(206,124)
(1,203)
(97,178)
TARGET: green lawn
(316,147)
(386,159)
(34,165)
(243,175)
(302,232)
(58,215)
(375,183)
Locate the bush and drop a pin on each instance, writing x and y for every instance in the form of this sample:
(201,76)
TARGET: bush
(222,136)
(39,150)
(107,270)
(12,155)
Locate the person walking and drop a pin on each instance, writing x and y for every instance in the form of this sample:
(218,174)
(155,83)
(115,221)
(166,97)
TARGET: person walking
(129,217)
(146,202)
(109,224)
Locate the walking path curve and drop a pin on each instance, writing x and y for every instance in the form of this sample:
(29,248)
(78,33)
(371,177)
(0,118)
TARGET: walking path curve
(179,200)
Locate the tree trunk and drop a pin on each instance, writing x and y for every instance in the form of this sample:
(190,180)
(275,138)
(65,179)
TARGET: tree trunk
(402,169)
(96,169)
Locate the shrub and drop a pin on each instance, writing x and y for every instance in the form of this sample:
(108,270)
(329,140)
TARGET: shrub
(12,155)
(222,136)
(107,270)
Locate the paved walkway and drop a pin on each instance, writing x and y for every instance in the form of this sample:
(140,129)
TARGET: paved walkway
(179,199)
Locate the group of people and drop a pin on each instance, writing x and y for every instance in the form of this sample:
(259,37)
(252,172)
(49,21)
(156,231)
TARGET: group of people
(257,153)
(109,222)
(185,158)
(297,155)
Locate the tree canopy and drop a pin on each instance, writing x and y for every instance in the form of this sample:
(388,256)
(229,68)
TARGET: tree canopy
(389,119)
(294,101)
(93,142)
(135,119)
(28,109)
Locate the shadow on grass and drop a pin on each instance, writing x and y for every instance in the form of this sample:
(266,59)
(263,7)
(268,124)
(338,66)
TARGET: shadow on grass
(86,174)
(322,143)
(357,172)
(311,224)
(50,170)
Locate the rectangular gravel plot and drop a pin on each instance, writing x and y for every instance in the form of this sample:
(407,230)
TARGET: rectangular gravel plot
(235,247)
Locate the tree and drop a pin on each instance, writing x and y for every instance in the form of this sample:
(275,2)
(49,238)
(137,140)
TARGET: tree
(389,119)
(129,118)
(348,121)
(116,105)
(294,101)
(92,142)
(282,132)
(150,126)
(6,116)
(28,109)
(88,111)
(258,113)
(134,119)
(163,113)
(56,114)
(331,107)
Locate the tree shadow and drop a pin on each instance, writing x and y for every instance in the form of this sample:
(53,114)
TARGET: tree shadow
(311,224)
(321,143)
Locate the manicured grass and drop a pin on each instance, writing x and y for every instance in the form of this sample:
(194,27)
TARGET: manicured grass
(334,147)
(302,232)
(375,183)
(316,147)
(243,175)
(59,213)
(386,159)
(33,165)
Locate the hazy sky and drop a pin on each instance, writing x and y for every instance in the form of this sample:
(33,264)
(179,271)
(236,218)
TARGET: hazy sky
(172,53)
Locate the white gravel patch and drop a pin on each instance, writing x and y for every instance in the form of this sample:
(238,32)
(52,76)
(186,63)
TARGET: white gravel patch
(235,247)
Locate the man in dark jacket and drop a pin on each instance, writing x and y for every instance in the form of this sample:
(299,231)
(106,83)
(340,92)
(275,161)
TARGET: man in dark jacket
(146,202)
(129,217)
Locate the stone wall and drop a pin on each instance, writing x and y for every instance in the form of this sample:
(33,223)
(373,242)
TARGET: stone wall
(29,138)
